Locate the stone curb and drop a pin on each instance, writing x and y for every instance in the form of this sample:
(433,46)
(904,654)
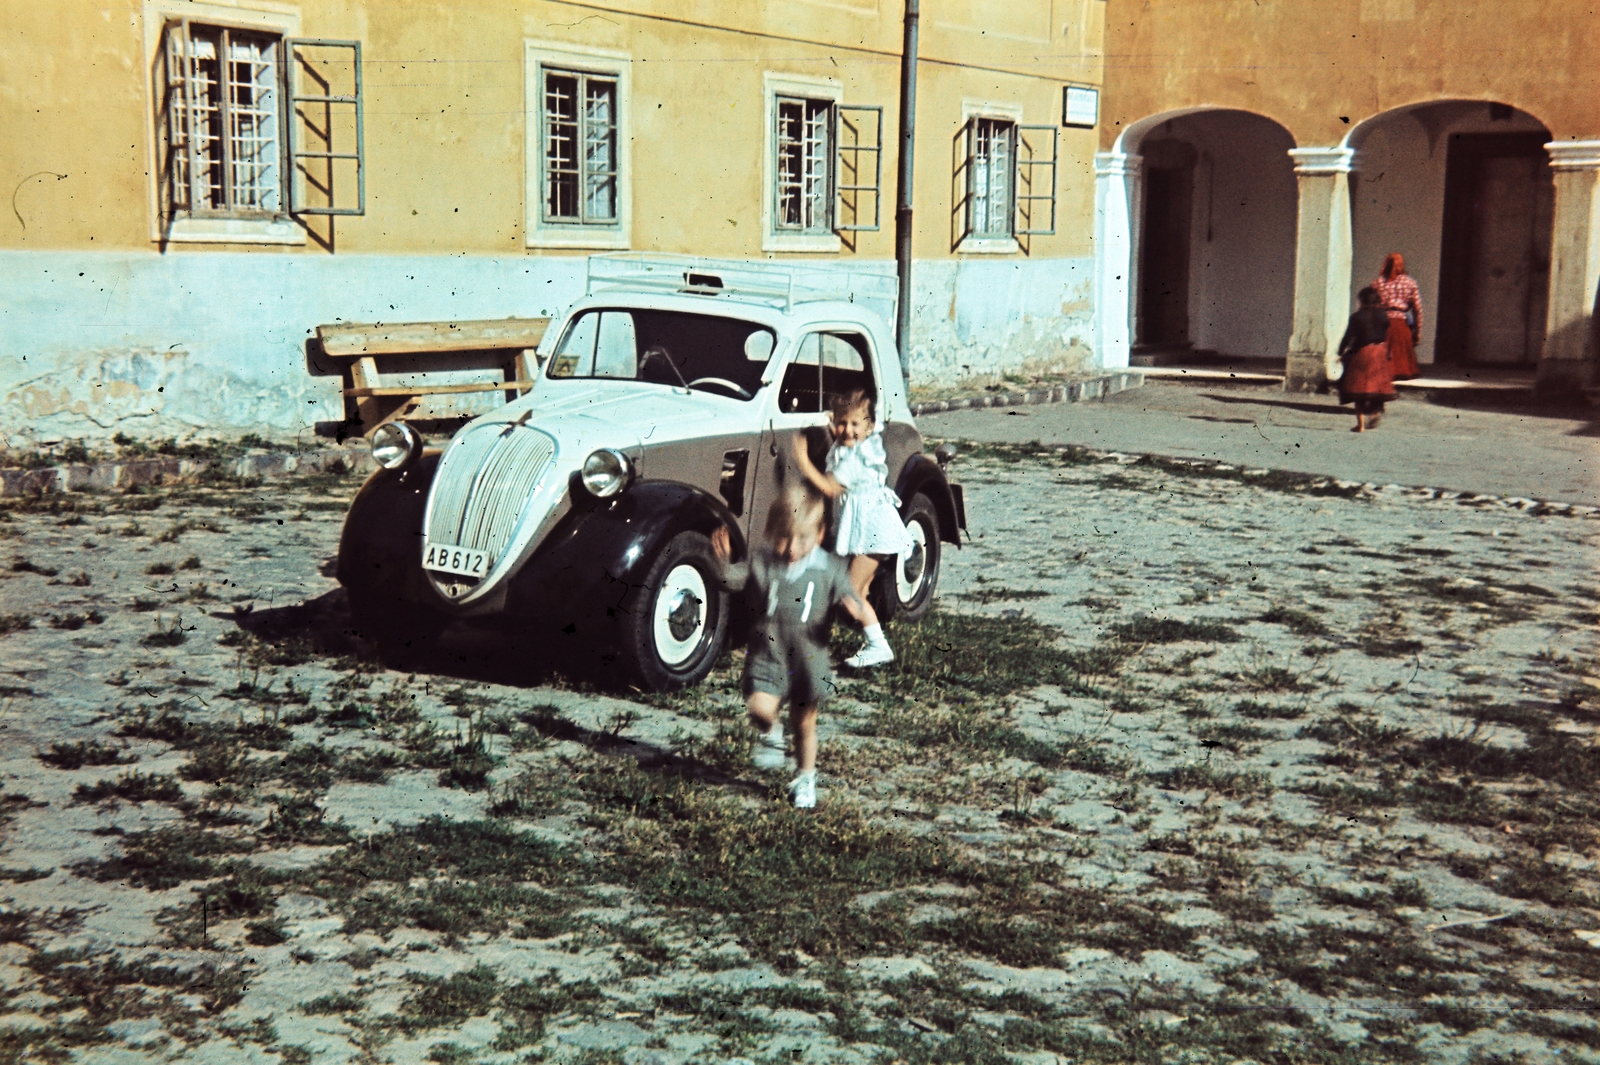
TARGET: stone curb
(1358,489)
(1071,392)
(109,475)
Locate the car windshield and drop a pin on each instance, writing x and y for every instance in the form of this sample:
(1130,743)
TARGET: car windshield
(702,351)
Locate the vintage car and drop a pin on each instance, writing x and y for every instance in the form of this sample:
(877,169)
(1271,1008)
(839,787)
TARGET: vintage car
(664,408)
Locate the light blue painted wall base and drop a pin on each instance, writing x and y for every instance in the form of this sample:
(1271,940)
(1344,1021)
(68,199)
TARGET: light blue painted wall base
(214,342)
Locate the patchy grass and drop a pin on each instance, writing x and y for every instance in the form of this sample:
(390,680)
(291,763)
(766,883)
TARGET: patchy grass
(131,787)
(1229,783)
(170,635)
(969,655)
(388,880)
(984,596)
(1154,629)
(1005,794)
(165,857)
(83,752)
(790,874)
(72,622)
(1299,622)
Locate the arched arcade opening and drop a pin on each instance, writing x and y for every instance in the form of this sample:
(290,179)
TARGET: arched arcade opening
(1215,247)
(1462,189)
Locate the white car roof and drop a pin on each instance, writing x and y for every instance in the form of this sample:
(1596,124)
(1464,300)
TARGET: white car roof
(799,316)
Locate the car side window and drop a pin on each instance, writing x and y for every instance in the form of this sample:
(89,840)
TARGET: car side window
(847,367)
(801,392)
(825,365)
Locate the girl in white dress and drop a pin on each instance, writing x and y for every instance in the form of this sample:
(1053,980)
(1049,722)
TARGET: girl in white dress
(867,523)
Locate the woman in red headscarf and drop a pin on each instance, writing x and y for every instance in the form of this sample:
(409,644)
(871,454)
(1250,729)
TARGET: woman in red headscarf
(1402,301)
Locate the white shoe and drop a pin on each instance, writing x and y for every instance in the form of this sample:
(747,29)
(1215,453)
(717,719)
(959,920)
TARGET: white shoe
(870,655)
(769,751)
(803,789)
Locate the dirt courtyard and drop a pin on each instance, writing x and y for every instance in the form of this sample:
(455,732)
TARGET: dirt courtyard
(1188,765)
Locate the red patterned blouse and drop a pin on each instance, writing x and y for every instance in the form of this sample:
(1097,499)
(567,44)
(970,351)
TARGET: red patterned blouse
(1400,293)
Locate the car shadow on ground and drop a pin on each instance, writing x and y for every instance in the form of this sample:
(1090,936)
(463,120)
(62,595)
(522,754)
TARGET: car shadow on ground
(322,627)
(514,657)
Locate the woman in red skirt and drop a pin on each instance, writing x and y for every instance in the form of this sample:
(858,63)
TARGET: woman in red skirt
(1402,300)
(1368,380)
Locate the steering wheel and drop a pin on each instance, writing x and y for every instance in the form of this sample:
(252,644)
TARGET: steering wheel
(724,383)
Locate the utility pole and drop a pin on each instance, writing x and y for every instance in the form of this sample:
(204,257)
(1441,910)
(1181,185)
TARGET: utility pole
(902,213)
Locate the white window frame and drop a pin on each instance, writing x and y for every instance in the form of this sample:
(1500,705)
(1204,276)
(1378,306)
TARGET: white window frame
(278,20)
(774,239)
(560,57)
(1003,112)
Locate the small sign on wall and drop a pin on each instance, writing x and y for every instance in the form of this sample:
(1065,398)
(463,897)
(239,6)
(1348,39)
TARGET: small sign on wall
(1080,106)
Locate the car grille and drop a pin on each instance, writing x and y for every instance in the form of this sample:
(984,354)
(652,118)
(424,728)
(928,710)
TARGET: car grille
(483,482)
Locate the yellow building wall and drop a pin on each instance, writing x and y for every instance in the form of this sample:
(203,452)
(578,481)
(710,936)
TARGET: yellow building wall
(1319,68)
(109,327)
(445,124)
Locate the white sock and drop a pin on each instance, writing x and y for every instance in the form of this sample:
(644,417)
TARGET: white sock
(806,774)
(775,733)
(874,635)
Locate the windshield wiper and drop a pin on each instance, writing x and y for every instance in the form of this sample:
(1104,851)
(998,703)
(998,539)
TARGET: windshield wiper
(660,352)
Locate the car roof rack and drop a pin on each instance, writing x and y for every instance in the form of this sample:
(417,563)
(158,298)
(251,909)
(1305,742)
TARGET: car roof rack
(761,282)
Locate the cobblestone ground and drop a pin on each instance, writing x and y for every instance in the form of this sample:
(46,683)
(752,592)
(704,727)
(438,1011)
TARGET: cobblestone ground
(1187,766)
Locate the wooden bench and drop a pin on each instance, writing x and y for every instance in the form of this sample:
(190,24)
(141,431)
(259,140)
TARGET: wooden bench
(378,353)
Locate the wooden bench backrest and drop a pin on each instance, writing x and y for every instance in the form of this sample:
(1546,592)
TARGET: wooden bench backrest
(354,340)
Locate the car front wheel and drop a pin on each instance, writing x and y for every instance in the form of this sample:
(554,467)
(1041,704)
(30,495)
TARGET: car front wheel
(672,636)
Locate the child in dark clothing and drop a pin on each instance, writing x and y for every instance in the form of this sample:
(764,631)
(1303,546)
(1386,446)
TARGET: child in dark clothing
(793,585)
(1368,377)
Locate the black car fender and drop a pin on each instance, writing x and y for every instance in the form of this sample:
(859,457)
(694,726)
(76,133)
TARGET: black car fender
(920,474)
(380,548)
(594,561)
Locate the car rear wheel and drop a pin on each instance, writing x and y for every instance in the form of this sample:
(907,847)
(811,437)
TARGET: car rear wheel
(906,585)
(672,636)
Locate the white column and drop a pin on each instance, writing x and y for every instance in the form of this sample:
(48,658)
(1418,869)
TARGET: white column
(1117,192)
(1322,267)
(1567,364)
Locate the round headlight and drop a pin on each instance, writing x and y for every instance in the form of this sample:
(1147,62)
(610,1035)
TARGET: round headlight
(395,445)
(606,472)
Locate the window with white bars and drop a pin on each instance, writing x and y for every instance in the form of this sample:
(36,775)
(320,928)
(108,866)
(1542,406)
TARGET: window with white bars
(223,122)
(1004,184)
(253,127)
(580,148)
(991,178)
(803,196)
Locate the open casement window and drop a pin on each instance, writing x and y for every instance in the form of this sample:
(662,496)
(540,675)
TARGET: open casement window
(1006,179)
(221,124)
(579,119)
(859,178)
(828,166)
(228,146)
(1036,180)
(327,144)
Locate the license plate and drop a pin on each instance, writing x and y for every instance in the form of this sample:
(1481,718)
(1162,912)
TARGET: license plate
(460,560)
